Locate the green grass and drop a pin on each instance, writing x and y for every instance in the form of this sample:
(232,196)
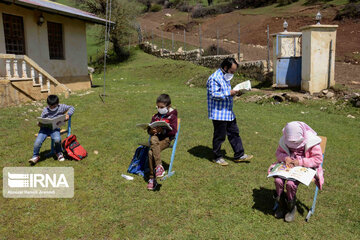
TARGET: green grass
(202,200)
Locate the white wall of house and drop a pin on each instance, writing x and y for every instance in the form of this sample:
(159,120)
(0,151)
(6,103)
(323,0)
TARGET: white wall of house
(36,41)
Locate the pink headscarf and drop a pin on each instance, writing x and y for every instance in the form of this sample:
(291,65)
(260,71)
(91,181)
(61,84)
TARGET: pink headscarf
(295,134)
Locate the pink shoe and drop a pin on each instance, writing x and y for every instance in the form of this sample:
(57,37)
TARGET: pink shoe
(152,184)
(159,171)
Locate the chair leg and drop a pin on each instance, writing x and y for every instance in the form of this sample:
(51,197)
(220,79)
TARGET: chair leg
(170,173)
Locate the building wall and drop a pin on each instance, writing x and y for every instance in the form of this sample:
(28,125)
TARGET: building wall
(316,56)
(36,42)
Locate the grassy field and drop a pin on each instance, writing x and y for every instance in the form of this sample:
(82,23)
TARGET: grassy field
(202,200)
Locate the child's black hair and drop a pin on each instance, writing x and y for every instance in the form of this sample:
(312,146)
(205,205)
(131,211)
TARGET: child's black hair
(164,98)
(52,100)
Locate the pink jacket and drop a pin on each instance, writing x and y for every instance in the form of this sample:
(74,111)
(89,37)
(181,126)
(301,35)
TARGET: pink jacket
(313,157)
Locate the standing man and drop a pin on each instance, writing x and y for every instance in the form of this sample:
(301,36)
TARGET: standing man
(220,111)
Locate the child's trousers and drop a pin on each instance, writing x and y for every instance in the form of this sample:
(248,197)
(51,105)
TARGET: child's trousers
(291,187)
(156,146)
(43,134)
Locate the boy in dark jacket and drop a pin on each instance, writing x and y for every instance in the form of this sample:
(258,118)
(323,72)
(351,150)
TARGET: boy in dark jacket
(160,137)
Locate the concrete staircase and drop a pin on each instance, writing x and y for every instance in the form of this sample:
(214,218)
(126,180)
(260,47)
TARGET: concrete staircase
(25,80)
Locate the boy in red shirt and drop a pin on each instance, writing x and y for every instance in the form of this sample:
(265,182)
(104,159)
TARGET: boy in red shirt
(160,137)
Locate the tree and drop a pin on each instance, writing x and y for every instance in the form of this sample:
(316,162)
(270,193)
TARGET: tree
(123,14)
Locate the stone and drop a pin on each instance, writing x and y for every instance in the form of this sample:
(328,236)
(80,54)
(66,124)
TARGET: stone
(91,69)
(357,104)
(330,95)
(168,14)
(350,116)
(192,85)
(294,99)
(325,91)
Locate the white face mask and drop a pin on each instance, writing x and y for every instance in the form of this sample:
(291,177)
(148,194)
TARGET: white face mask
(228,76)
(163,111)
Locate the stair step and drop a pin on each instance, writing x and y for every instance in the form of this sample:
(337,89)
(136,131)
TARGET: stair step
(37,85)
(20,79)
(44,90)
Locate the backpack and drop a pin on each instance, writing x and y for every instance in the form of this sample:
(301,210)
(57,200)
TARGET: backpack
(140,164)
(73,149)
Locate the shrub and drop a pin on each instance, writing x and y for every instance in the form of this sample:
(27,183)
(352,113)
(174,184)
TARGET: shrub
(155,8)
(351,10)
(285,2)
(184,7)
(212,50)
(311,2)
(200,11)
(252,3)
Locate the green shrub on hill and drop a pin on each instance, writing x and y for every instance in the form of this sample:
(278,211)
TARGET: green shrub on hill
(155,8)
(351,10)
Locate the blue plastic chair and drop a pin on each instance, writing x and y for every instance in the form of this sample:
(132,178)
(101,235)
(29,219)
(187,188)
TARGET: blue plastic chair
(312,209)
(170,173)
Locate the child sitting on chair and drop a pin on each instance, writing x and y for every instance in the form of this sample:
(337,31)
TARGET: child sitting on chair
(54,109)
(299,146)
(160,138)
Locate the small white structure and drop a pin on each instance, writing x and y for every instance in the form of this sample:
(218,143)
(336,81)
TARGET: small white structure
(44,43)
(318,57)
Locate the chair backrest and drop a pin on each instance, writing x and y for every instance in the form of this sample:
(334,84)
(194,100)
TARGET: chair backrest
(323,143)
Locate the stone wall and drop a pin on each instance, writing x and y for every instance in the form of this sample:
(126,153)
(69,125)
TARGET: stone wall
(252,69)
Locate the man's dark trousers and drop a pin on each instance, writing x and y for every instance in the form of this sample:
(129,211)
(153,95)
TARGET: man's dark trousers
(229,128)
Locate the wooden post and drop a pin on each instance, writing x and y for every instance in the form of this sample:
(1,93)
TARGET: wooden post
(129,43)
(172,38)
(162,41)
(268,49)
(8,68)
(184,40)
(152,38)
(238,42)
(24,74)
(200,38)
(217,41)
(15,68)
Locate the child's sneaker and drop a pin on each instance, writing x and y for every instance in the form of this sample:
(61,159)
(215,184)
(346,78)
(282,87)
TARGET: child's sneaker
(34,159)
(60,157)
(152,184)
(159,171)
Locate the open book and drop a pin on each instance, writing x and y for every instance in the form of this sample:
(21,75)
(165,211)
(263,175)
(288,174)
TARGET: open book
(162,124)
(52,123)
(301,174)
(243,87)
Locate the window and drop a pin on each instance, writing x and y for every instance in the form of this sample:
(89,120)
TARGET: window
(14,34)
(55,37)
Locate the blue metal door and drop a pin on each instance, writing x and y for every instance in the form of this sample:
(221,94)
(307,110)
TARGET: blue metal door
(288,68)
(288,72)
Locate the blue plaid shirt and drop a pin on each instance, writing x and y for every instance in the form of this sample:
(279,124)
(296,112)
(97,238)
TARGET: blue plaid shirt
(220,102)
